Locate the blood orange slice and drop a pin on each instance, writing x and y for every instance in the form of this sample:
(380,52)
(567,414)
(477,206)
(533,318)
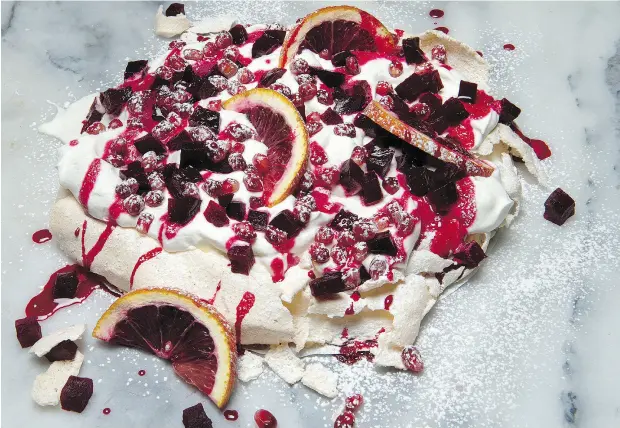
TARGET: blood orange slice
(337,29)
(456,155)
(180,328)
(280,127)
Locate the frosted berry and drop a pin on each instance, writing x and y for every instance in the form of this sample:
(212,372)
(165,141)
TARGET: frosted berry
(165,72)
(412,359)
(149,161)
(154,198)
(256,202)
(438,53)
(133,184)
(299,66)
(364,230)
(339,255)
(317,154)
(123,190)
(237,162)
(354,402)
(345,130)
(302,213)
(227,67)
(175,62)
(201,133)
(421,110)
(252,181)
(223,40)
(406,225)
(115,123)
(144,222)
(261,163)
(239,131)
(244,231)
(390,184)
(212,187)
(352,278)
(209,49)
(395,69)
(220,82)
(235,87)
(327,176)
(156,181)
(424,68)
(192,54)
(346,238)
(325,97)
(305,78)
(352,66)
(382,222)
(307,181)
(378,267)
(345,420)
(313,127)
(384,88)
(95,128)
(245,76)
(217,150)
(190,190)
(308,201)
(214,105)
(282,88)
(359,251)
(274,235)
(230,185)
(359,155)
(319,253)
(387,102)
(307,91)
(395,211)
(231,52)
(134,204)
(324,235)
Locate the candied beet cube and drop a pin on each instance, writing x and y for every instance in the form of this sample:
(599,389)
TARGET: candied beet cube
(112,99)
(179,140)
(175,9)
(28,331)
(193,154)
(241,258)
(379,160)
(414,85)
(134,67)
(239,34)
(76,393)
(330,117)
(331,79)
(340,59)
(267,43)
(195,417)
(201,88)
(559,207)
(148,143)
(431,100)
(468,92)
(270,77)
(343,220)
(176,178)
(351,176)
(182,210)
(364,275)
(158,82)
(64,351)
(371,189)
(236,210)
(94,115)
(412,156)
(189,75)
(352,99)
(418,180)
(65,285)
(225,200)
(363,122)
(216,214)
(453,111)
(432,81)
(413,53)
(382,243)
(330,283)
(443,197)
(286,222)
(444,174)
(508,112)
(258,219)
(136,170)
(469,254)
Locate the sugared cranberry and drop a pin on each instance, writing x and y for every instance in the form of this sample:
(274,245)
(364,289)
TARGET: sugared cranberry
(346,238)
(421,110)
(239,132)
(313,127)
(223,40)
(302,79)
(156,181)
(438,53)
(123,190)
(359,251)
(307,181)
(265,419)
(237,162)
(387,102)
(378,267)
(229,185)
(216,214)
(302,213)
(209,49)
(212,187)
(144,222)
(352,278)
(134,204)
(256,202)
(319,253)
(192,54)
(282,88)
(245,76)
(175,62)
(95,128)
(324,235)
(261,163)
(384,88)
(274,235)
(345,420)
(469,254)
(324,97)
(244,231)
(412,359)
(307,91)
(149,161)
(364,230)
(227,67)
(359,155)
(327,176)
(345,130)
(165,72)
(395,69)
(559,207)
(339,255)
(217,150)
(317,154)
(252,181)
(232,53)
(382,222)
(354,402)
(154,198)
(390,184)
(299,66)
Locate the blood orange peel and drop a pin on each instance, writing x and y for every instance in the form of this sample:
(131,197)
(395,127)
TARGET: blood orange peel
(463,159)
(280,127)
(178,327)
(355,30)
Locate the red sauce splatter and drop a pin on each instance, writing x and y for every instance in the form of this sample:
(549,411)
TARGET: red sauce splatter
(231,415)
(479,53)
(88,184)
(264,419)
(244,306)
(41,236)
(541,148)
(106,411)
(388,302)
(89,257)
(322,202)
(399,33)
(77,232)
(350,310)
(345,333)
(355,296)
(509,47)
(143,258)
(444,30)
(141,372)
(73,143)
(436,13)
(277,267)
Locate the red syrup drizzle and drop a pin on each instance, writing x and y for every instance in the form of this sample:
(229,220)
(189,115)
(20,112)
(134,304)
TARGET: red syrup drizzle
(541,148)
(89,257)
(88,184)
(353,351)
(231,415)
(217,290)
(444,30)
(42,236)
(464,132)
(436,13)
(388,302)
(244,306)
(265,419)
(106,411)
(509,47)
(141,372)
(142,259)
(277,267)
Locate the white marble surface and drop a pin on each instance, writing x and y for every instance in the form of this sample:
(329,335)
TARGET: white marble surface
(532,341)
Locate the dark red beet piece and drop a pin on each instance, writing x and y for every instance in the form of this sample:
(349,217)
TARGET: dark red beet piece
(329,283)
(206,117)
(508,112)
(76,393)
(351,176)
(201,88)
(340,59)
(148,143)
(371,189)
(469,254)
(258,219)
(443,197)
(453,111)
(364,275)
(216,214)
(179,140)
(112,99)
(28,331)
(195,417)
(413,53)
(331,79)
(352,99)
(559,207)
(175,9)
(414,85)
(239,34)
(225,200)
(136,170)
(134,67)
(382,243)
(64,351)
(241,258)
(330,117)
(379,160)
(267,43)
(195,154)
(236,210)
(468,92)
(270,77)
(343,220)
(286,222)
(418,180)
(65,286)
(182,210)
(176,178)
(92,116)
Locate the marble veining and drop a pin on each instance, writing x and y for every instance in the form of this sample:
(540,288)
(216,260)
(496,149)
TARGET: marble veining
(533,340)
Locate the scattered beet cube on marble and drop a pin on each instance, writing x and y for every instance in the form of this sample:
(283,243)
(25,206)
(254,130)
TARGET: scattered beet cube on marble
(241,258)
(382,243)
(28,331)
(195,417)
(559,207)
(63,351)
(175,9)
(469,254)
(65,285)
(330,283)
(113,100)
(76,393)
(508,112)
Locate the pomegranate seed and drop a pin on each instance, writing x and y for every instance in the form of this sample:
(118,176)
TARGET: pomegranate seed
(382,222)
(212,187)
(95,128)
(317,154)
(231,52)
(133,185)
(327,176)
(209,49)
(354,402)
(252,182)
(223,40)
(352,278)
(387,102)
(307,181)
(261,162)
(299,66)
(345,130)
(325,235)
(165,72)
(305,78)
(236,162)
(115,123)
(154,198)
(230,185)
(227,67)
(352,66)
(235,87)
(346,238)
(214,105)
(345,420)
(144,222)
(412,359)
(384,88)
(421,110)
(220,82)
(438,53)
(134,205)
(245,76)
(313,117)
(244,231)
(265,419)
(324,97)
(378,267)
(424,68)
(274,235)
(319,253)
(307,91)
(324,54)
(283,89)
(390,184)
(156,181)
(395,69)
(192,54)
(176,63)
(239,132)
(313,127)
(190,190)
(256,202)
(359,251)
(359,155)
(339,255)
(217,150)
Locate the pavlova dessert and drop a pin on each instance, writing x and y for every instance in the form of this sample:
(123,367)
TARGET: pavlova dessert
(275,192)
